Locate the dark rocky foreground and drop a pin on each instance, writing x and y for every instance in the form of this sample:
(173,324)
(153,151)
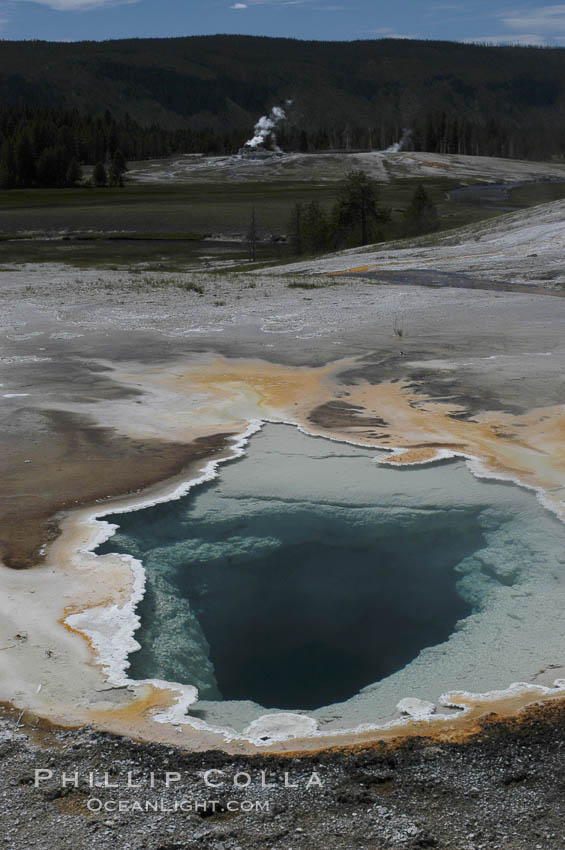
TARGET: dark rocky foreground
(503,789)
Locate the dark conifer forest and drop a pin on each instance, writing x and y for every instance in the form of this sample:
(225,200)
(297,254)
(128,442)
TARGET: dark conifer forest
(65,105)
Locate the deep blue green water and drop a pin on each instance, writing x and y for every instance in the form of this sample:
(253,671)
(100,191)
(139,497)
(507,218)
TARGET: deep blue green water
(309,577)
(312,620)
(288,602)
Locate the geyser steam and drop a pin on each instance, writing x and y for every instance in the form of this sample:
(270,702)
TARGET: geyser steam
(264,132)
(399,146)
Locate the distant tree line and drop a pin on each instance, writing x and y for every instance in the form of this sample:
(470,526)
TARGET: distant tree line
(357,218)
(440,131)
(47,146)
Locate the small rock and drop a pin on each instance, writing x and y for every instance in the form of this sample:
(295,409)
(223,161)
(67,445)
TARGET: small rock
(416,708)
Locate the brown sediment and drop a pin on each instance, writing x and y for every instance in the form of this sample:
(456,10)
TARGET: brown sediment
(74,461)
(71,462)
(528,447)
(40,730)
(135,713)
(217,392)
(336,414)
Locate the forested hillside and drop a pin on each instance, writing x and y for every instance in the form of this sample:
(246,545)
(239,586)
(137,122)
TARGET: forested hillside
(152,97)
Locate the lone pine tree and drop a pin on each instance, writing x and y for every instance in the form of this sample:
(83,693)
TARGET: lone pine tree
(421,214)
(358,213)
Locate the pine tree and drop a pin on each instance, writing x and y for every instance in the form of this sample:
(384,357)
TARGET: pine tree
(421,214)
(7,166)
(51,167)
(114,175)
(99,176)
(315,229)
(74,173)
(119,162)
(24,162)
(117,168)
(358,213)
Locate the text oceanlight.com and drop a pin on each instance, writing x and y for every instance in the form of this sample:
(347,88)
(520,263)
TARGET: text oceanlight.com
(95,805)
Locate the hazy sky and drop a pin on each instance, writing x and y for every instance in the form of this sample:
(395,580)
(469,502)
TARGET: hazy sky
(491,21)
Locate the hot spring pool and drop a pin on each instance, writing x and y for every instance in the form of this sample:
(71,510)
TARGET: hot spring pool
(308,577)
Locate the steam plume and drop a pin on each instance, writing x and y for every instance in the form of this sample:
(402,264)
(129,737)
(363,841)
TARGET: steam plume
(265,129)
(398,146)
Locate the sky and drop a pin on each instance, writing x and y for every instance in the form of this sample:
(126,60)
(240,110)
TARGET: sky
(491,21)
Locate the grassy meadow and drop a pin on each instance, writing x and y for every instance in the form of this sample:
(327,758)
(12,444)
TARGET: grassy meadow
(175,226)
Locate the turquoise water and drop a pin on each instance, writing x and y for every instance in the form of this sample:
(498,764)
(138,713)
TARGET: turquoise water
(304,624)
(306,572)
